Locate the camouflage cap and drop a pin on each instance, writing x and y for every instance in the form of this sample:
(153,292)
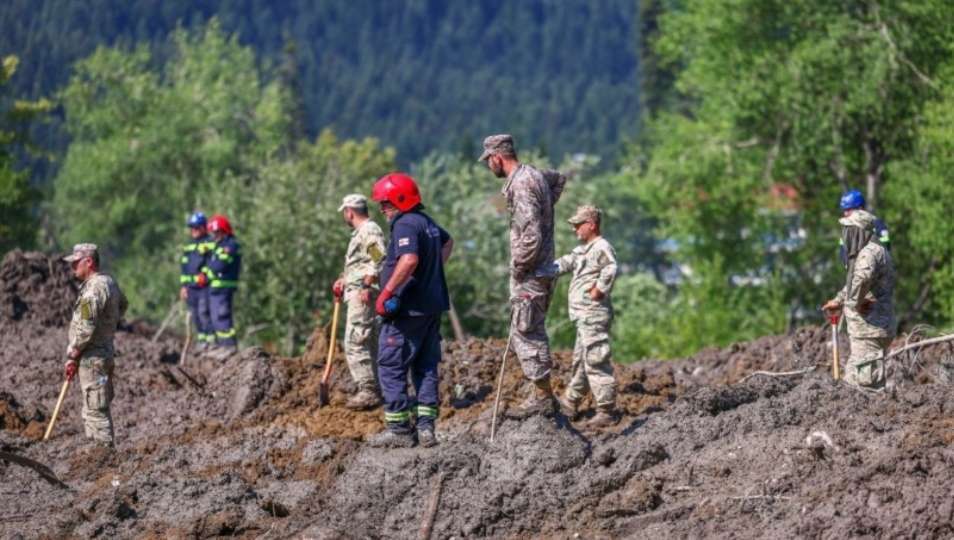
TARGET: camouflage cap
(586,213)
(498,144)
(80,251)
(354,200)
(859,218)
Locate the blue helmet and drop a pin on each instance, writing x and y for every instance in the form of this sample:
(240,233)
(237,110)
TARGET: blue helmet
(851,200)
(196,220)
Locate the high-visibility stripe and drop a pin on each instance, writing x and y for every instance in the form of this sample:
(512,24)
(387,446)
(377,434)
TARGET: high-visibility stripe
(184,259)
(186,279)
(425,410)
(206,337)
(190,247)
(224,283)
(226,334)
(402,416)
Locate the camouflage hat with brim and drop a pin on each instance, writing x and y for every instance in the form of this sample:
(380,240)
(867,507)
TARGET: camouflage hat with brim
(80,251)
(586,213)
(858,218)
(354,200)
(498,144)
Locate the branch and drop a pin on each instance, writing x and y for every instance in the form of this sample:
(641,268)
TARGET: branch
(919,344)
(40,468)
(778,373)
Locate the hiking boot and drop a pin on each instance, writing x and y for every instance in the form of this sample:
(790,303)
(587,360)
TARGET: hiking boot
(222,353)
(389,438)
(426,437)
(568,407)
(365,399)
(539,401)
(606,416)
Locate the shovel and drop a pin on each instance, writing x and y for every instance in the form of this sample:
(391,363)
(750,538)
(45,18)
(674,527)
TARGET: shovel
(833,318)
(323,398)
(56,410)
(188,339)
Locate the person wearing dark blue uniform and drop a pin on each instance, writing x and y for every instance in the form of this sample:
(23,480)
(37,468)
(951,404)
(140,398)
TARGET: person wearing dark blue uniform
(222,272)
(413,297)
(193,285)
(853,200)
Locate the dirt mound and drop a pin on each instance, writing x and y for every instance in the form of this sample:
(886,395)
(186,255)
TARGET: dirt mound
(36,288)
(240,448)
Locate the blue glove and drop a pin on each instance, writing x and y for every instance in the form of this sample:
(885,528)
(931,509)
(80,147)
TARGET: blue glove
(391,306)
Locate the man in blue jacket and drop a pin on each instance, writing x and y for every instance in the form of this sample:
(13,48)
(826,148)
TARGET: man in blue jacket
(195,254)
(222,274)
(413,297)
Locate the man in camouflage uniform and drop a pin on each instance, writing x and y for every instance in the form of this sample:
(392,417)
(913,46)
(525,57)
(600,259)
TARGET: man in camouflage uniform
(355,285)
(96,314)
(866,299)
(531,195)
(593,265)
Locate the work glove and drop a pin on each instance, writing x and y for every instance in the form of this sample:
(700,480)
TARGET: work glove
(387,304)
(201,280)
(338,289)
(70,370)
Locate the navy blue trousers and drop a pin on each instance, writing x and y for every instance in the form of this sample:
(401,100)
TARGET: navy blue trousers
(198,302)
(220,304)
(410,345)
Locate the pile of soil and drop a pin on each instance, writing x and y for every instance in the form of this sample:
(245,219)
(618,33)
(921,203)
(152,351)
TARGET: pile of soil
(240,448)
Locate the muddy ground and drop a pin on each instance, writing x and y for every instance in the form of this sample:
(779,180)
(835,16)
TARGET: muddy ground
(240,449)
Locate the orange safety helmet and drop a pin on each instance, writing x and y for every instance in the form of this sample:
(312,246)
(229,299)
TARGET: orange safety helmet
(398,189)
(220,223)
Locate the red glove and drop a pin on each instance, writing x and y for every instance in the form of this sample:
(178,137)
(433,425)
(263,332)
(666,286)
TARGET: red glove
(70,370)
(338,289)
(383,307)
(201,280)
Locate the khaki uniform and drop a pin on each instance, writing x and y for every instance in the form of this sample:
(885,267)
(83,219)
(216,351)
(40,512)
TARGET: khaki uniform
(871,276)
(592,264)
(531,195)
(96,314)
(364,257)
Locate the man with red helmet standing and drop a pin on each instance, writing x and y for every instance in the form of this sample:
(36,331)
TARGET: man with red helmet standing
(531,195)
(221,274)
(413,297)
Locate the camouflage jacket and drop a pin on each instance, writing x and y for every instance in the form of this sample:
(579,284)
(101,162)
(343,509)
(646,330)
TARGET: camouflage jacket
(531,195)
(365,255)
(591,264)
(871,277)
(96,314)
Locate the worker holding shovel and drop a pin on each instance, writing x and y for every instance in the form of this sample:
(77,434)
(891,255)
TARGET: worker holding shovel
(96,314)
(866,299)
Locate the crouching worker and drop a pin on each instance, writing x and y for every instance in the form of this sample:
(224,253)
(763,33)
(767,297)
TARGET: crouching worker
(593,265)
(413,297)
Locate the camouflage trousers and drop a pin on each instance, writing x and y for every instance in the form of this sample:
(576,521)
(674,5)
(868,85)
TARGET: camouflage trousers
(592,362)
(865,365)
(96,385)
(530,299)
(360,342)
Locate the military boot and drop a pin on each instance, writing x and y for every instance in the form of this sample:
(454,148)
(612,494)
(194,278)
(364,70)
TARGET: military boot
(426,436)
(391,437)
(365,399)
(539,401)
(606,416)
(568,407)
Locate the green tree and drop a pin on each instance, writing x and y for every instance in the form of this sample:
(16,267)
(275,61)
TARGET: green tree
(18,200)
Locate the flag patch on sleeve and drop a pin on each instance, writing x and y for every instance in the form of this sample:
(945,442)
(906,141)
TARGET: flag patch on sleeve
(404,242)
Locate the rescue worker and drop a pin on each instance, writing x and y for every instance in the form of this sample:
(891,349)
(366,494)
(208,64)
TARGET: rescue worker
(853,200)
(221,275)
(531,195)
(355,285)
(96,315)
(194,257)
(413,297)
(866,299)
(594,268)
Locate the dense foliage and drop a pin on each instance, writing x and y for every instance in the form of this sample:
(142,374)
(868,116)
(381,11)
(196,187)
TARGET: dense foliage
(559,72)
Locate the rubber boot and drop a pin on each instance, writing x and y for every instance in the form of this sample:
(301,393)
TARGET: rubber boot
(365,399)
(539,401)
(568,407)
(606,416)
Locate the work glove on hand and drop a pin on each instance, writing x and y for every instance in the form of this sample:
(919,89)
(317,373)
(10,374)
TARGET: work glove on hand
(338,289)
(201,280)
(70,370)
(387,304)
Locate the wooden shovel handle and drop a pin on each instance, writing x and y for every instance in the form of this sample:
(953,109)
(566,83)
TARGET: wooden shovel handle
(56,410)
(331,344)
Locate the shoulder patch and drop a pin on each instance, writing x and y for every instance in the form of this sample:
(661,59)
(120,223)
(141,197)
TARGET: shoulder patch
(375,253)
(404,242)
(84,308)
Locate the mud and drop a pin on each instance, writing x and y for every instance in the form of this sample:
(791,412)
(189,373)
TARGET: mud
(239,448)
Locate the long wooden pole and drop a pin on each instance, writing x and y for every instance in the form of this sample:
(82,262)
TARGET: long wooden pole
(503,365)
(56,410)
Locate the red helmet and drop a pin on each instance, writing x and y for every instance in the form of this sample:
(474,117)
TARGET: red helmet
(220,223)
(398,189)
